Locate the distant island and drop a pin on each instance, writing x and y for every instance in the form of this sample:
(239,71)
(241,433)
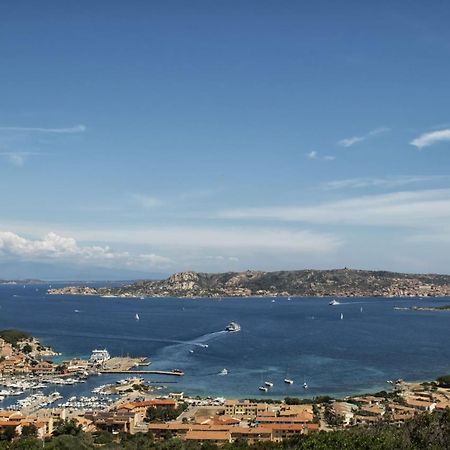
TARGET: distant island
(25,281)
(303,283)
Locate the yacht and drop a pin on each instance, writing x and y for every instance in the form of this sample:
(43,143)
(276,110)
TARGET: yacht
(223,372)
(263,388)
(288,381)
(334,302)
(268,383)
(233,327)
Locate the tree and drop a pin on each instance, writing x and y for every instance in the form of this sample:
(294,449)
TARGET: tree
(67,427)
(29,431)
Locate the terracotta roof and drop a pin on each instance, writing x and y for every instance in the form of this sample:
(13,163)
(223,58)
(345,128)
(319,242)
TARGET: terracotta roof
(208,435)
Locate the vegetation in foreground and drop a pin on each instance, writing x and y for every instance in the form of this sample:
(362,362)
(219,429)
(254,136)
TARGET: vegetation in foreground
(427,431)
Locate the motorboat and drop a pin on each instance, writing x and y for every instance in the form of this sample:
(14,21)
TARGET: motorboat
(233,327)
(334,302)
(268,383)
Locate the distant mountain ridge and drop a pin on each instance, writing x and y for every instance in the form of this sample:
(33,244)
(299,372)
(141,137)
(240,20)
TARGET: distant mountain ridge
(336,282)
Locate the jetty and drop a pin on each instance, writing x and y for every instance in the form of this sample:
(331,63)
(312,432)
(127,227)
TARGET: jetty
(176,373)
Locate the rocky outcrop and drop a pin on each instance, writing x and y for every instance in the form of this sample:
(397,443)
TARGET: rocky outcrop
(339,283)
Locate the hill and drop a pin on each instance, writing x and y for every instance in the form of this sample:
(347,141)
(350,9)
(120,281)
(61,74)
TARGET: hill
(338,282)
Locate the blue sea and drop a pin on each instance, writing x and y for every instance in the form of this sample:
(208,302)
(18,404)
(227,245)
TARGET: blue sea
(304,339)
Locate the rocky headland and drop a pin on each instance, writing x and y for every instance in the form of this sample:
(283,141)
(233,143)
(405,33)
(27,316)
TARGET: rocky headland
(305,283)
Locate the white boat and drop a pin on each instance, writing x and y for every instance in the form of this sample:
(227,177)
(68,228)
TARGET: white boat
(268,383)
(273,301)
(223,372)
(289,298)
(76,310)
(99,356)
(342,316)
(263,388)
(334,302)
(191,351)
(288,381)
(137,316)
(233,327)
(305,385)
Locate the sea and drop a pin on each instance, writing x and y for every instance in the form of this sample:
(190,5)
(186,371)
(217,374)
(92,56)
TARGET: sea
(350,348)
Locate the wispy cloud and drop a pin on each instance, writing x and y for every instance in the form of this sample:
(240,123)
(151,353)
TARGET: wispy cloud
(315,155)
(433,137)
(382,182)
(146,201)
(409,209)
(66,130)
(350,141)
(17,158)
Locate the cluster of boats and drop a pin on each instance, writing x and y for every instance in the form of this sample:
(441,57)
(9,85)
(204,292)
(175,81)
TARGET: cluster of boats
(37,400)
(268,384)
(18,387)
(87,403)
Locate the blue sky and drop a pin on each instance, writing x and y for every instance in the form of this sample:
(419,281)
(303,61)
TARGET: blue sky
(143,136)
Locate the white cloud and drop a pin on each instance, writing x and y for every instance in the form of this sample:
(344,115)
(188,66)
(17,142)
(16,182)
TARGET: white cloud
(315,155)
(17,158)
(433,137)
(69,130)
(427,208)
(55,247)
(350,141)
(384,182)
(146,201)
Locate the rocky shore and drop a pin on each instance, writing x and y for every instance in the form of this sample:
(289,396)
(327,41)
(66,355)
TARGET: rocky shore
(305,283)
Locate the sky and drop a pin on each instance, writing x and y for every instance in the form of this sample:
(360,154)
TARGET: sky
(148,137)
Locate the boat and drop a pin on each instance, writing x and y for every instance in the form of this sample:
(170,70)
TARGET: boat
(263,388)
(305,385)
(99,356)
(289,298)
(273,301)
(191,351)
(288,381)
(178,371)
(334,302)
(268,383)
(342,316)
(76,310)
(137,316)
(233,327)
(223,372)
(142,297)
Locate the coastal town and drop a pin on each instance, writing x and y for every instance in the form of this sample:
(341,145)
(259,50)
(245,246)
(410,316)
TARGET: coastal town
(133,405)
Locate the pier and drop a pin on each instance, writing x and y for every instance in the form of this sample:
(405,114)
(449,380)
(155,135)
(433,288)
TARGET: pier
(143,372)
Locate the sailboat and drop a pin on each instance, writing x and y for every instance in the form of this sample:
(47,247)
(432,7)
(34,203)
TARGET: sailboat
(137,316)
(342,316)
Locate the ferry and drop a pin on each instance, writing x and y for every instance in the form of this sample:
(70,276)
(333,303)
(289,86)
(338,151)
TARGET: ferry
(99,356)
(233,327)
(334,302)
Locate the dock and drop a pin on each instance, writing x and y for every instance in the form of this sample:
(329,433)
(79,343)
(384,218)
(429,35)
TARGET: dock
(143,372)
